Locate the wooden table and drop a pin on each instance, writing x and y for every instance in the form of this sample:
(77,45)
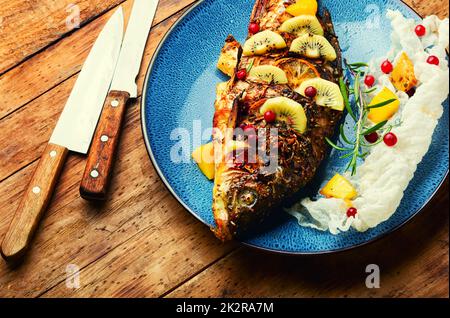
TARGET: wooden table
(142,243)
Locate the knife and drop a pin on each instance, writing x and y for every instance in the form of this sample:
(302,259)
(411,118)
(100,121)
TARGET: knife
(73,132)
(97,175)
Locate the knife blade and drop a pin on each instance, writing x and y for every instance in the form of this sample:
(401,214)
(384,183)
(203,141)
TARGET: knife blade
(73,132)
(97,175)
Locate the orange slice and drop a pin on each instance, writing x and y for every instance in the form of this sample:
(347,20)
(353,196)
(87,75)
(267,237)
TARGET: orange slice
(297,70)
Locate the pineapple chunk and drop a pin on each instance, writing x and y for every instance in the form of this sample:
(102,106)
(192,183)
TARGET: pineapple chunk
(340,188)
(227,63)
(403,77)
(204,157)
(221,88)
(377,115)
(229,56)
(301,7)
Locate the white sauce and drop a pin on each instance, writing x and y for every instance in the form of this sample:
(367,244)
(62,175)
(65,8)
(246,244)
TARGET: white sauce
(384,176)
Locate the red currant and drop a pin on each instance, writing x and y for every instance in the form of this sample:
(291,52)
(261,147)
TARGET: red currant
(253,28)
(387,67)
(369,80)
(372,138)
(432,59)
(242,75)
(310,92)
(352,212)
(390,140)
(270,116)
(420,30)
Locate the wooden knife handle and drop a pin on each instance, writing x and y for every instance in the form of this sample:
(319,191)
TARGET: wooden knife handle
(97,175)
(34,203)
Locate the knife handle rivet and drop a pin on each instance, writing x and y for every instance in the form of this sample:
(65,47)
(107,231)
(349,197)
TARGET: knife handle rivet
(115,103)
(94,174)
(36,190)
(53,153)
(104,138)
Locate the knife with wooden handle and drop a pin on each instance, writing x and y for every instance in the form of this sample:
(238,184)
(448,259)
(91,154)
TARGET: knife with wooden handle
(97,175)
(34,202)
(73,132)
(99,166)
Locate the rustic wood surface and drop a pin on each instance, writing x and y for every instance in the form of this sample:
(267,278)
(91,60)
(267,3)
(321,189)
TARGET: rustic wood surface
(142,242)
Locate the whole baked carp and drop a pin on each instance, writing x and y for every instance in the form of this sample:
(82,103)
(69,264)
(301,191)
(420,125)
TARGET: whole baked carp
(273,116)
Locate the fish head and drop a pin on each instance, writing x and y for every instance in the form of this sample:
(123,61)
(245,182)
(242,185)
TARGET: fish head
(246,198)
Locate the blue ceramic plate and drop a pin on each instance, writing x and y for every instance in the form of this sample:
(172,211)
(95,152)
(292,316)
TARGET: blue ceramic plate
(180,90)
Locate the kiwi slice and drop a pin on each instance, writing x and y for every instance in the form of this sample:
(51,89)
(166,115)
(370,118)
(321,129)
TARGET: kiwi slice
(328,93)
(288,110)
(313,46)
(303,24)
(267,74)
(263,42)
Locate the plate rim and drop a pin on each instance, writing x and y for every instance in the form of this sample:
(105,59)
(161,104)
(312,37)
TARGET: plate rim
(175,195)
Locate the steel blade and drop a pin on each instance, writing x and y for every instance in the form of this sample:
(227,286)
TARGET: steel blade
(79,119)
(133,46)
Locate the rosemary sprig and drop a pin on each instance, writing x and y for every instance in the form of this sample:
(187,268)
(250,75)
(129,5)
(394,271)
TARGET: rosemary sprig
(343,87)
(343,135)
(370,91)
(375,128)
(357,65)
(381,104)
(357,108)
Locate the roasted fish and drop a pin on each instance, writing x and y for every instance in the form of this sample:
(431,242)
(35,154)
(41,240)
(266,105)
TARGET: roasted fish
(282,101)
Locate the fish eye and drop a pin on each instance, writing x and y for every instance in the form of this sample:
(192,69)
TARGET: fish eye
(248,198)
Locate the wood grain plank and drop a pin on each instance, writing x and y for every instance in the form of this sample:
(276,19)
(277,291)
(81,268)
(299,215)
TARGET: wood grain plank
(49,68)
(140,212)
(35,124)
(65,58)
(425,7)
(413,263)
(149,264)
(30,25)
